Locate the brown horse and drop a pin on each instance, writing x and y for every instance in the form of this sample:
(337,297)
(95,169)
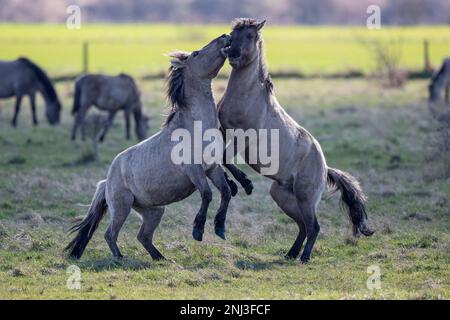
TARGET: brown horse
(21,78)
(249,102)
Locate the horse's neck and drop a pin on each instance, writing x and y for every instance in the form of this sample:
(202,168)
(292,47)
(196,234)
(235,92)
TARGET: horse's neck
(200,100)
(242,87)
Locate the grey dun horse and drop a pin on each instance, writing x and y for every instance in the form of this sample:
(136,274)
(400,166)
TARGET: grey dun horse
(144,176)
(111,94)
(21,78)
(439,81)
(249,102)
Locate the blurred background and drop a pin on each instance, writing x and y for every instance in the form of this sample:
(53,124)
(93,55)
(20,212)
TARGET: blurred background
(303,37)
(315,12)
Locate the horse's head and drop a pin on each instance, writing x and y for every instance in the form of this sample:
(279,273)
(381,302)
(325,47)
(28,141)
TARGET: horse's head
(204,63)
(433,91)
(142,127)
(245,42)
(52,111)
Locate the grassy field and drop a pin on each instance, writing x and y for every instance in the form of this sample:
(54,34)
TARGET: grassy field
(379,135)
(140,49)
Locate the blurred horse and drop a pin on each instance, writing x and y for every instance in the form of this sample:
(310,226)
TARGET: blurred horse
(22,77)
(111,94)
(440,80)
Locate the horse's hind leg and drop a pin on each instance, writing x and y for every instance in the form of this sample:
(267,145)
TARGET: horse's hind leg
(119,206)
(79,119)
(287,201)
(33,108)
(16,110)
(217,177)
(198,177)
(151,218)
(308,195)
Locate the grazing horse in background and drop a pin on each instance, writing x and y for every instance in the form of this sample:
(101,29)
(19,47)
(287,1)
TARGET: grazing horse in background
(22,77)
(144,177)
(439,81)
(109,93)
(249,103)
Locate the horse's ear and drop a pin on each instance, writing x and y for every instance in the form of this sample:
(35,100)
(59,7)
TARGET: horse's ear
(177,63)
(260,25)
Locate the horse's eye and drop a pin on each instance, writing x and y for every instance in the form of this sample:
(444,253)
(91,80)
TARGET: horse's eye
(195,53)
(249,36)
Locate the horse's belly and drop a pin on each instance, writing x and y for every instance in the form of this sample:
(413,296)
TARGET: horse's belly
(6,92)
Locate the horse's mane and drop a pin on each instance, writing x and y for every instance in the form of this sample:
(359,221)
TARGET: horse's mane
(175,87)
(264,75)
(48,89)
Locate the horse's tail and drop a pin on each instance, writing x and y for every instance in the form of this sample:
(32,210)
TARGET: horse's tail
(353,198)
(48,90)
(89,224)
(77,96)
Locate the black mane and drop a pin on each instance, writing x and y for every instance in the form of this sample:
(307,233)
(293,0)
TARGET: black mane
(48,89)
(175,87)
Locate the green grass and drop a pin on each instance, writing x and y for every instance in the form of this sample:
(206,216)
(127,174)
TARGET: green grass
(380,136)
(140,49)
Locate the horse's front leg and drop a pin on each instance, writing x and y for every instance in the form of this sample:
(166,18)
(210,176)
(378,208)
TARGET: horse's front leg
(198,177)
(447,89)
(217,176)
(107,124)
(240,176)
(33,108)
(16,110)
(127,123)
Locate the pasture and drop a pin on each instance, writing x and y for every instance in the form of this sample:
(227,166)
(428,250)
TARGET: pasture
(139,49)
(380,135)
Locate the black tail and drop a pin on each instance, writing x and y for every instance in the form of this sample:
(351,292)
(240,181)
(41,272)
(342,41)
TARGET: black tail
(353,198)
(48,90)
(87,227)
(77,96)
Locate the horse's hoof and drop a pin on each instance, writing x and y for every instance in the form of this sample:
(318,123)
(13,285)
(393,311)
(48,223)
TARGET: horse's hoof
(197,234)
(249,188)
(289,257)
(304,260)
(220,232)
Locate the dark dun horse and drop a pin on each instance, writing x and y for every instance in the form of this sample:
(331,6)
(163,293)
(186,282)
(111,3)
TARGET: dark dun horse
(439,81)
(250,103)
(111,94)
(145,177)
(21,78)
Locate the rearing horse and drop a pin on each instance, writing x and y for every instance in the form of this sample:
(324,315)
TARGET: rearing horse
(22,77)
(249,103)
(145,178)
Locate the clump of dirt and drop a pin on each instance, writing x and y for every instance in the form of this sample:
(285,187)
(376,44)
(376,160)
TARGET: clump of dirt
(16,272)
(32,218)
(417,216)
(16,160)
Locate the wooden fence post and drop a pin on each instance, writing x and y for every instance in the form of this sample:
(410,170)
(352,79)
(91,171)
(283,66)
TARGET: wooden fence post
(85,57)
(426,56)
